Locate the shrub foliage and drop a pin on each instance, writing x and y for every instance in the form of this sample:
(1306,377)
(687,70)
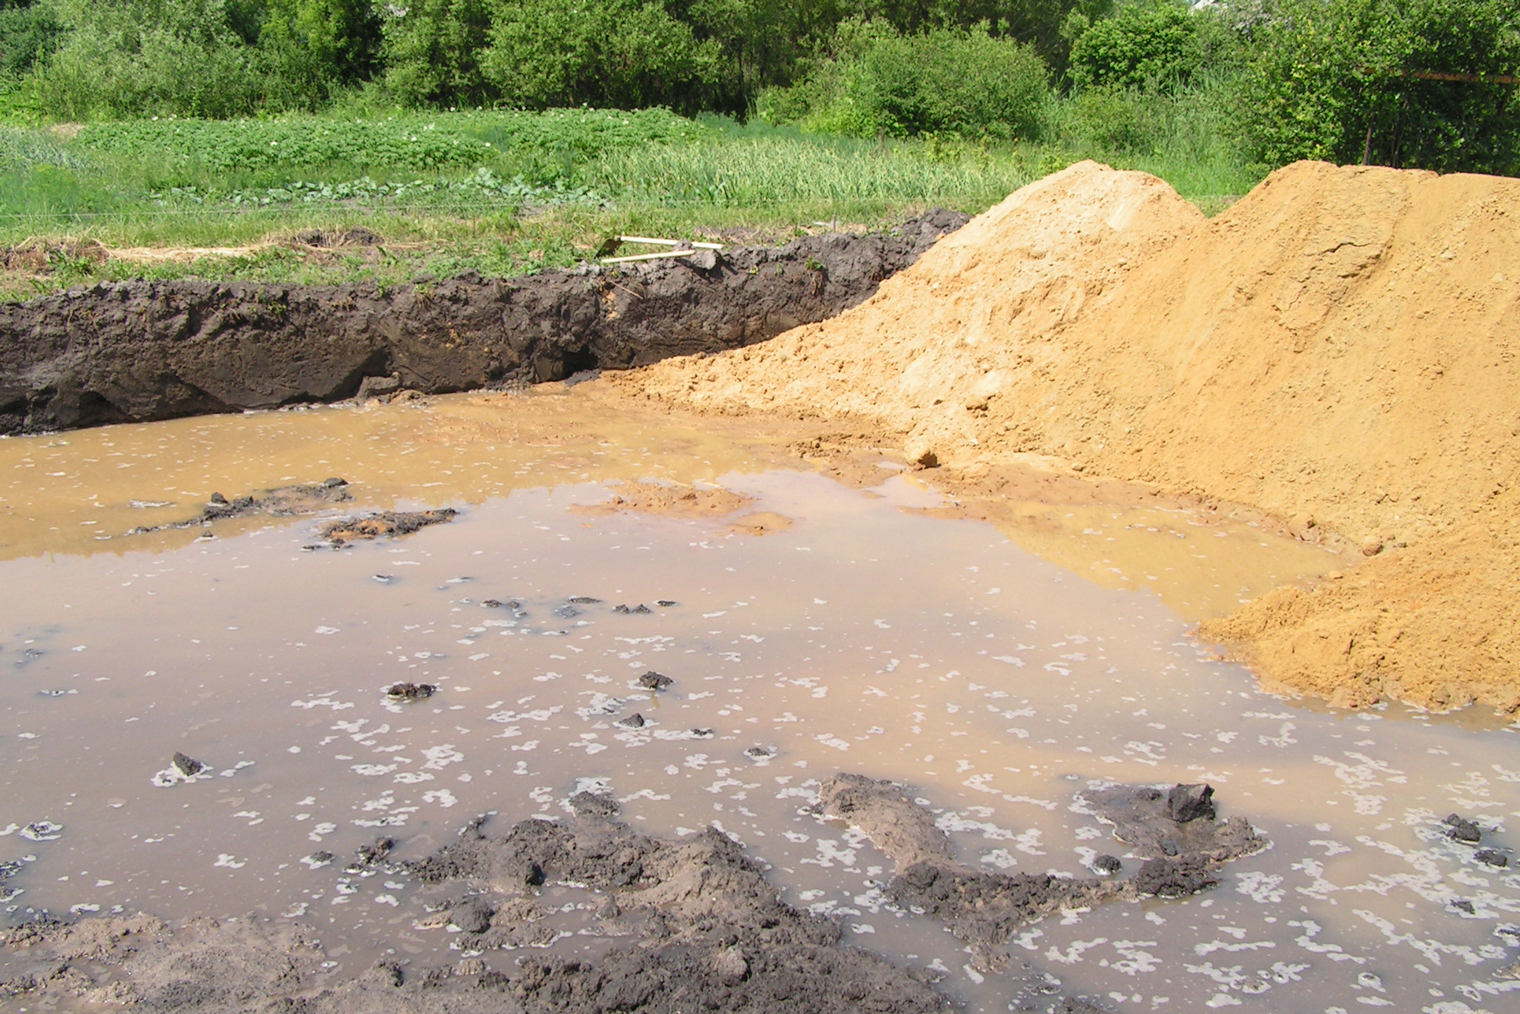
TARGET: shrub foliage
(1346,80)
(1141,45)
(953,81)
(1342,80)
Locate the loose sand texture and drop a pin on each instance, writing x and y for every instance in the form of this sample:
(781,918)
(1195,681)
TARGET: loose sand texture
(662,498)
(1337,349)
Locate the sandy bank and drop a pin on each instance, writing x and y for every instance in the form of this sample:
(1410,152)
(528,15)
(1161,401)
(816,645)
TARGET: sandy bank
(1337,349)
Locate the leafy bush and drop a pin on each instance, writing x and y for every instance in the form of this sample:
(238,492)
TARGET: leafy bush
(314,46)
(1153,44)
(543,53)
(131,57)
(618,53)
(432,51)
(28,32)
(1337,80)
(953,81)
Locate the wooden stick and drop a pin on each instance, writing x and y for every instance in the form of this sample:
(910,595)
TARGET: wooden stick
(669,242)
(648,256)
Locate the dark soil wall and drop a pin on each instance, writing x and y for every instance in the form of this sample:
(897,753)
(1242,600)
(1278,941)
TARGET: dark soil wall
(137,351)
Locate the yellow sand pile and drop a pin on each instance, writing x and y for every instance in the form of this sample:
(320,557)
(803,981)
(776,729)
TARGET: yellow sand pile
(1338,348)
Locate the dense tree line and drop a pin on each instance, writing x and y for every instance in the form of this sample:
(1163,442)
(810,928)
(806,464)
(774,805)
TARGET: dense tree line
(1349,80)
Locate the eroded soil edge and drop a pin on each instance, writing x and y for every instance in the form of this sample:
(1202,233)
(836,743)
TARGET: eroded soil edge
(140,351)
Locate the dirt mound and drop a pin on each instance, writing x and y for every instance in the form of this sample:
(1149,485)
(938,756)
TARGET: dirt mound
(43,257)
(1433,623)
(284,502)
(1337,349)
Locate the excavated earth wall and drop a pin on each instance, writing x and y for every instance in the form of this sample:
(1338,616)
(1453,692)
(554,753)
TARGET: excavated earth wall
(139,351)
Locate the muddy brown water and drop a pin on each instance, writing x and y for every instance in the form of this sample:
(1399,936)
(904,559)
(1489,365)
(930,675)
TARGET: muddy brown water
(999,673)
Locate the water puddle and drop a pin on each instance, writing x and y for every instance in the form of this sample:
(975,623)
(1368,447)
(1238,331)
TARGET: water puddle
(865,635)
(81,492)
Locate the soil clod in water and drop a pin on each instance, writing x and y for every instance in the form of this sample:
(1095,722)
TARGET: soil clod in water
(384,524)
(411,691)
(652,680)
(187,766)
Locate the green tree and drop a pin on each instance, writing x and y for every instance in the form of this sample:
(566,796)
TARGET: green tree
(1344,80)
(768,43)
(1036,22)
(762,42)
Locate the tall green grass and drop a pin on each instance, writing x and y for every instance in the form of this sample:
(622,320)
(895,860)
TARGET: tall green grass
(507,192)
(760,168)
(1187,136)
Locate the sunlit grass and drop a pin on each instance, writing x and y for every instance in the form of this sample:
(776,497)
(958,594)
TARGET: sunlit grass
(557,184)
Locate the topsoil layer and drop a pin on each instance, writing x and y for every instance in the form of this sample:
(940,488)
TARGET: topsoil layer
(1337,349)
(138,351)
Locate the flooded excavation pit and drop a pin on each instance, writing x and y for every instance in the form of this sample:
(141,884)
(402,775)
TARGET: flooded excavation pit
(593,744)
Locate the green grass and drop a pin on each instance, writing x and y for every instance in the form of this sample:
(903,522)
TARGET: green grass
(509,192)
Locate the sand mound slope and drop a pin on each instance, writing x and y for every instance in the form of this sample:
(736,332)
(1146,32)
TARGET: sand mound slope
(1338,348)
(1433,624)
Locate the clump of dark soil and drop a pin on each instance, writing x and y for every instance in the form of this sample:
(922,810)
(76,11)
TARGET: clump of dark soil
(1175,832)
(1459,828)
(981,908)
(1175,878)
(652,680)
(284,502)
(715,935)
(387,524)
(886,813)
(411,691)
(187,766)
(1159,825)
(698,929)
(142,350)
(375,852)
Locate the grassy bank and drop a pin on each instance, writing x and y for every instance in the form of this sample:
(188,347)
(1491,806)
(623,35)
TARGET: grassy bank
(498,192)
